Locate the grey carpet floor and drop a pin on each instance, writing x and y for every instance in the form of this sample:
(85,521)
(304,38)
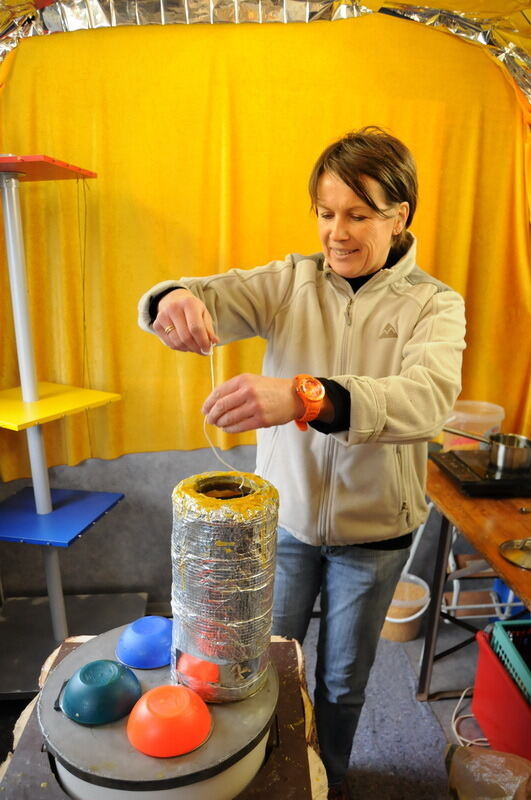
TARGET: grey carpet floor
(399,748)
(398,751)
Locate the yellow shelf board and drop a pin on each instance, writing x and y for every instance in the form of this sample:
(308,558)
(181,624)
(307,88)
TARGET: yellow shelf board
(55,401)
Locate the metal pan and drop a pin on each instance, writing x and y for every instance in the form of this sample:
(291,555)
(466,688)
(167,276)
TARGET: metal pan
(506,450)
(517,551)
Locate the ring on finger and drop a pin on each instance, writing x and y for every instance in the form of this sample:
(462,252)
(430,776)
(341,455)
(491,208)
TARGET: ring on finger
(169,329)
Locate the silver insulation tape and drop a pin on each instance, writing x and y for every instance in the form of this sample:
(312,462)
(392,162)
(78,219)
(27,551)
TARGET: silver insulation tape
(223,561)
(501,35)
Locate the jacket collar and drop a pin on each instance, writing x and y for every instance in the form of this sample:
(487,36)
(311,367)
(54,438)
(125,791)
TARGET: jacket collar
(389,275)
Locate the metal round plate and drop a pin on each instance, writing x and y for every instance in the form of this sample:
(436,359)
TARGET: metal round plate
(517,551)
(103,755)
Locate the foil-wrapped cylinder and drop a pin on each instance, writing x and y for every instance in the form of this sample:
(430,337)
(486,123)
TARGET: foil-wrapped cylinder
(223,562)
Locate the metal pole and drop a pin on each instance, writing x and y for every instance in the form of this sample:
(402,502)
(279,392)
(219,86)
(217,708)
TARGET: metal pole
(434,609)
(19,290)
(39,470)
(55,593)
(9,186)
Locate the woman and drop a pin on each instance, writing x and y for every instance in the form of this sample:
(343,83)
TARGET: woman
(364,347)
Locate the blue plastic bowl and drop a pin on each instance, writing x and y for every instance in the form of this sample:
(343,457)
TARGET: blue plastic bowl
(99,692)
(146,643)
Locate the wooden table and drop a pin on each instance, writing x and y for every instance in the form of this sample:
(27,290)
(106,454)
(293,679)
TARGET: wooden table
(485,523)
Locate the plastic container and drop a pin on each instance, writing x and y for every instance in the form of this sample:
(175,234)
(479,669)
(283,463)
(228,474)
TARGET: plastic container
(475,417)
(506,596)
(200,675)
(509,654)
(146,643)
(169,721)
(498,705)
(410,601)
(99,692)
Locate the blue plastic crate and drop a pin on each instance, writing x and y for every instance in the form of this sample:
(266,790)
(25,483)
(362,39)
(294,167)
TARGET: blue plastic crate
(502,590)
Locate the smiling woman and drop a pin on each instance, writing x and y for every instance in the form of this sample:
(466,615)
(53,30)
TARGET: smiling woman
(364,179)
(387,339)
(356,237)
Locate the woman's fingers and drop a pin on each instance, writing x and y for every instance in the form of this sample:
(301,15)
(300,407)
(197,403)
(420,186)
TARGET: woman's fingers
(228,405)
(197,327)
(213,338)
(184,323)
(248,401)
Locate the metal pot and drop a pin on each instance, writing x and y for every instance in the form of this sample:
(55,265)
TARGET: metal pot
(506,450)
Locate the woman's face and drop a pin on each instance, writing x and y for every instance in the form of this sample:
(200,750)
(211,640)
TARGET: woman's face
(356,239)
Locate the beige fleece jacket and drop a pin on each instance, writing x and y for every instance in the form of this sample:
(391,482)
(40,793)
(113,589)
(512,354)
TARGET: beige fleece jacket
(396,345)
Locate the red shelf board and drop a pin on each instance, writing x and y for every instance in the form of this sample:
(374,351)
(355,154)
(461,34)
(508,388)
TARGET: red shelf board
(42,168)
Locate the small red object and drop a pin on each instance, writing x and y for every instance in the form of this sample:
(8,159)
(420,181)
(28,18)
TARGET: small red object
(42,168)
(498,705)
(198,668)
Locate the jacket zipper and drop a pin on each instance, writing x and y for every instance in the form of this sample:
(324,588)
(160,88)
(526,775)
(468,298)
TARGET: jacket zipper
(348,324)
(325,502)
(324,514)
(348,311)
(404,508)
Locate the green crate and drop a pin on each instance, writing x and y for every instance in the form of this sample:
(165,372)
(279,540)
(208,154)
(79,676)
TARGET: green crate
(509,655)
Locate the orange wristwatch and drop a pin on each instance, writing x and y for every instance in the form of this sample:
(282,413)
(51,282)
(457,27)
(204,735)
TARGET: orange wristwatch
(311,392)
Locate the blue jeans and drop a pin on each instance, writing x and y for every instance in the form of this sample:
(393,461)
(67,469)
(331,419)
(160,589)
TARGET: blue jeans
(356,585)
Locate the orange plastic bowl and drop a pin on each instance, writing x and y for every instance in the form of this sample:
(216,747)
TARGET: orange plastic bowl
(200,675)
(169,721)
(198,668)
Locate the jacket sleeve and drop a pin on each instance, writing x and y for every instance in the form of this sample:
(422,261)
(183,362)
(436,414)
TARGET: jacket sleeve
(340,399)
(414,404)
(146,317)
(242,303)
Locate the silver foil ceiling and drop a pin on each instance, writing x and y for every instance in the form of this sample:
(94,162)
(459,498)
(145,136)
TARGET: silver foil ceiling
(506,37)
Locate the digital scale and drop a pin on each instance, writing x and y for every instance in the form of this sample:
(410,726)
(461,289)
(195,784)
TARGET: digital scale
(471,470)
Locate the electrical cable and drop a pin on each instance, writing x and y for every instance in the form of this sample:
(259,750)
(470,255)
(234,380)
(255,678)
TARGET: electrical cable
(480,741)
(82,244)
(212,446)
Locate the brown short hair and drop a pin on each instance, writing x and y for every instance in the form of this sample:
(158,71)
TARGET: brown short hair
(373,152)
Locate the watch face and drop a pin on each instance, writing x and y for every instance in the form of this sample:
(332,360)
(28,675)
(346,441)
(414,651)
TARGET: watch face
(312,388)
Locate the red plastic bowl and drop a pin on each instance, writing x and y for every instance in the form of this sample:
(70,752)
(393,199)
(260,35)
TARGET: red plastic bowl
(202,670)
(200,675)
(169,721)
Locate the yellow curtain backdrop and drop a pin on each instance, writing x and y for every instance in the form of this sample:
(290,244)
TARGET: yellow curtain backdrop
(203,138)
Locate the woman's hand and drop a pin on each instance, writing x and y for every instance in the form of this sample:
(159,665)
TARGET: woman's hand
(183,323)
(251,401)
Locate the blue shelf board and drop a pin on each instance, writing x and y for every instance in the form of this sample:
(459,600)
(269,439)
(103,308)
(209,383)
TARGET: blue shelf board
(73,512)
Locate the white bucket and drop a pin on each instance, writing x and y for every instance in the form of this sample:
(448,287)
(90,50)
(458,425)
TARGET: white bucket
(474,417)
(410,601)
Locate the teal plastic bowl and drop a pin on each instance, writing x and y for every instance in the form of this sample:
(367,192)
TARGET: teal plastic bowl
(99,692)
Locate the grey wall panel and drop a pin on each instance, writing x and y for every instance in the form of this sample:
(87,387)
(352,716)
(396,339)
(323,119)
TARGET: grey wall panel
(129,548)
